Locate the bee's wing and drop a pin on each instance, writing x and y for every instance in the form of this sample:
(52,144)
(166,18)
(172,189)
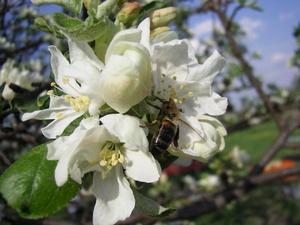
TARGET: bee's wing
(198,130)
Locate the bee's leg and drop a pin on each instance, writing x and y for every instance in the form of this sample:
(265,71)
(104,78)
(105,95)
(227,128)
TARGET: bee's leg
(175,141)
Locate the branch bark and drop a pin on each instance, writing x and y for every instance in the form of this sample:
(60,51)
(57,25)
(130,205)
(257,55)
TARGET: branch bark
(247,68)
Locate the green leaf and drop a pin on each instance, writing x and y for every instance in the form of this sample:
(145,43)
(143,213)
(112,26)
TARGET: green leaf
(26,106)
(73,5)
(29,186)
(79,30)
(45,25)
(150,207)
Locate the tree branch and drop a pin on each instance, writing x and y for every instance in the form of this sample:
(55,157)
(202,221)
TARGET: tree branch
(276,146)
(247,68)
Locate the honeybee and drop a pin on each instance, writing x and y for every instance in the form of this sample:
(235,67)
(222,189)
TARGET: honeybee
(168,128)
(167,132)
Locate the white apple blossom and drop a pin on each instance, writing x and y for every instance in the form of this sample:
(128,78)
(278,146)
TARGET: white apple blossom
(178,76)
(126,79)
(108,149)
(210,183)
(9,74)
(239,157)
(79,81)
(87,83)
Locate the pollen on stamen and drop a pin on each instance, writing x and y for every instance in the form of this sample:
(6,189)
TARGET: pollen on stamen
(52,84)
(190,94)
(103,163)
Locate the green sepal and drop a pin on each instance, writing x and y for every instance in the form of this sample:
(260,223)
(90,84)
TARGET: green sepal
(79,30)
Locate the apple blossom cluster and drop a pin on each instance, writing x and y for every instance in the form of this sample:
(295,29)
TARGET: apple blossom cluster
(10,74)
(140,69)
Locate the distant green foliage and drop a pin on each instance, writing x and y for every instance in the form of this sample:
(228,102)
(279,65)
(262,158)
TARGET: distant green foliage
(255,140)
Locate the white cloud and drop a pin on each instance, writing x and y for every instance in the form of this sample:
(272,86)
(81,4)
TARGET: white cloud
(251,27)
(205,28)
(280,57)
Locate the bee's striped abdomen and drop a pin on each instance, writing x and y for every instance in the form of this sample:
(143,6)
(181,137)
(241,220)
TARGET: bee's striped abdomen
(164,137)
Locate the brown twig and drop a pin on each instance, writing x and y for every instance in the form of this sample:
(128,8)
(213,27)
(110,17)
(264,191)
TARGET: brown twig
(221,199)
(276,146)
(247,68)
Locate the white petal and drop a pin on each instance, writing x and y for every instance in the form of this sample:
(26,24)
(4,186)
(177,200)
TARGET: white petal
(129,35)
(172,58)
(57,105)
(141,166)
(115,200)
(75,151)
(60,65)
(144,26)
(57,126)
(214,105)
(80,51)
(200,147)
(127,129)
(209,69)
(56,148)
(126,80)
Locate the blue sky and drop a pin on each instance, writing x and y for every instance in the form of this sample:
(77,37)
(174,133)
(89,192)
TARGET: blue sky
(269,33)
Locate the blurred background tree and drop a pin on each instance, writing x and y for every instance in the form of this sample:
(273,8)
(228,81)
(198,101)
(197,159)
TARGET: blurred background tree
(252,182)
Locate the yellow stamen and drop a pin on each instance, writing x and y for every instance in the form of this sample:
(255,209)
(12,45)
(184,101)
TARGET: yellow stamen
(111,155)
(79,104)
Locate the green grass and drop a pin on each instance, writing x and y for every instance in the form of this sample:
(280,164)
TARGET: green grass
(256,140)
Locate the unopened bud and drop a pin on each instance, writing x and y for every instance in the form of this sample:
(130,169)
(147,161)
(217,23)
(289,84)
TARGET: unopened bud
(86,3)
(159,30)
(162,17)
(129,12)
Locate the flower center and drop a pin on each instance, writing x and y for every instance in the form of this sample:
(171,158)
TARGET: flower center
(111,154)
(79,104)
(170,87)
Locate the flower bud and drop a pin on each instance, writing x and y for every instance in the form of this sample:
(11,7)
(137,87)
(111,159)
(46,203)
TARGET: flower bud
(162,17)
(129,12)
(159,30)
(86,3)
(126,78)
